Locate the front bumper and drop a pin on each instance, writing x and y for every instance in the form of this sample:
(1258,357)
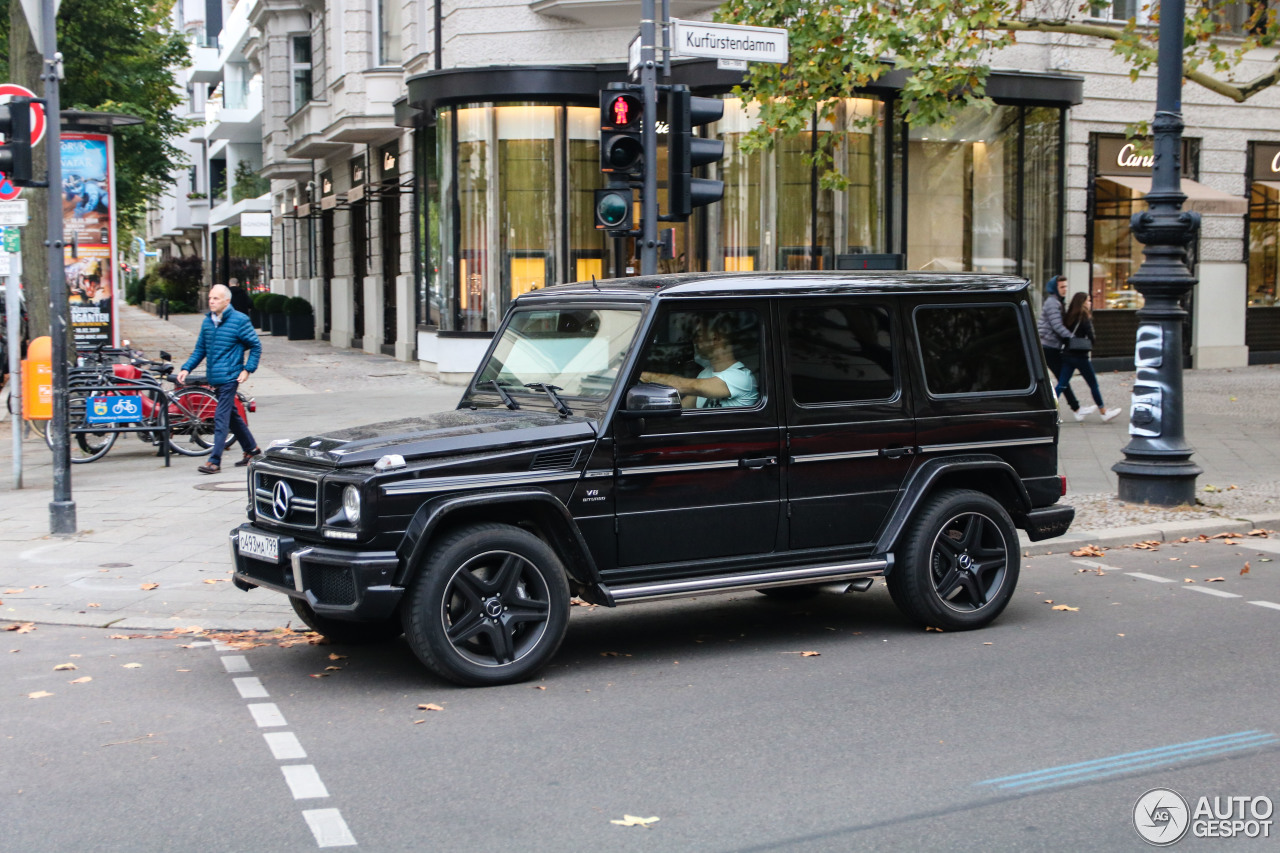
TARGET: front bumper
(353,585)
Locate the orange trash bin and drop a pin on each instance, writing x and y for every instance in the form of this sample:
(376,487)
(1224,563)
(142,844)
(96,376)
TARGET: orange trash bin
(37,380)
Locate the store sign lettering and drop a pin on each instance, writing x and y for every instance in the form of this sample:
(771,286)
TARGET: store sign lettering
(1128,159)
(1275,163)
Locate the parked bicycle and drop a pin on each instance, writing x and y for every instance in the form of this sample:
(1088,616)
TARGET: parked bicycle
(100,376)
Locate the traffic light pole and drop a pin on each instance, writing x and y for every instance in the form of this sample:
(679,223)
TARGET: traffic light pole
(649,194)
(62,509)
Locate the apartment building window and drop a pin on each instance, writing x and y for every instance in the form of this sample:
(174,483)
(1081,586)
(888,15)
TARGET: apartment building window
(1123,10)
(193,185)
(390,26)
(300,71)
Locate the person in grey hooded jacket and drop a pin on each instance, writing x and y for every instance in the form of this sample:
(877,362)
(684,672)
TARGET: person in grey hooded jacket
(1054,333)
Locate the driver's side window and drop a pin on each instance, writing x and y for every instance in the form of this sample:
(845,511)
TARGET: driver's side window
(711,356)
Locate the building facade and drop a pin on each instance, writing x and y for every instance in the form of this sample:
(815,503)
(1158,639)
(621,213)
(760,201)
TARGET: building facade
(429,161)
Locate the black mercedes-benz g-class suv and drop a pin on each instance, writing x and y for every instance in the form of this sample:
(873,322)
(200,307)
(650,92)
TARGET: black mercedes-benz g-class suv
(668,436)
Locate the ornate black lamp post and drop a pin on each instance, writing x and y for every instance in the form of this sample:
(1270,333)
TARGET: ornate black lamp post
(1157,467)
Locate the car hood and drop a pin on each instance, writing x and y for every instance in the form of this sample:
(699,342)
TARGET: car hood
(463,431)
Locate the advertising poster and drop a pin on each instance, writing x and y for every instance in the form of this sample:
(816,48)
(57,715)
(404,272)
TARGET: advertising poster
(89,232)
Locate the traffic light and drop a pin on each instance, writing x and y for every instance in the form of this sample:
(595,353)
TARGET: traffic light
(621,145)
(614,208)
(15,152)
(685,150)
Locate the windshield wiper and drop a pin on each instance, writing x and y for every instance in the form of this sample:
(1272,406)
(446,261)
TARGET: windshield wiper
(502,392)
(551,390)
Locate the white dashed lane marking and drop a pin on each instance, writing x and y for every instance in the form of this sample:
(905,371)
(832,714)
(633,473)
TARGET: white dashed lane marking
(1208,590)
(329,828)
(266,714)
(236,663)
(326,825)
(304,781)
(284,745)
(1268,545)
(250,688)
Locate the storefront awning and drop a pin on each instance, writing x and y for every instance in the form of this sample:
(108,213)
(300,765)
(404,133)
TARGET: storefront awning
(1199,197)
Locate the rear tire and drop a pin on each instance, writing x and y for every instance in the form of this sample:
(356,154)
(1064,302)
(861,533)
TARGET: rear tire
(959,563)
(191,422)
(490,606)
(346,633)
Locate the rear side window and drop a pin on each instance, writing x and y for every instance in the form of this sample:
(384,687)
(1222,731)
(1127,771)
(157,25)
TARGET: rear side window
(972,349)
(839,354)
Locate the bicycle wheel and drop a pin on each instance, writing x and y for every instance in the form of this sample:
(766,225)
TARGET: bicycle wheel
(83,447)
(206,406)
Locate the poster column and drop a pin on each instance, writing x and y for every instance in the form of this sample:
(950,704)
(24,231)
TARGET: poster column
(89,226)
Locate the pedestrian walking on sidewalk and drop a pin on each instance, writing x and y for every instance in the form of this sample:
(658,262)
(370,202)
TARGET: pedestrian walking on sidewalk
(1053,334)
(1076,356)
(225,336)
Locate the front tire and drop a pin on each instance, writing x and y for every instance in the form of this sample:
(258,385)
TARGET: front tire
(344,632)
(490,606)
(959,564)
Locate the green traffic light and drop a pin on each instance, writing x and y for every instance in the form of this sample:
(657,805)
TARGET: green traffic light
(613,210)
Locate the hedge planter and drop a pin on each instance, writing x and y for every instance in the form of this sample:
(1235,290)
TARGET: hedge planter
(302,327)
(279,325)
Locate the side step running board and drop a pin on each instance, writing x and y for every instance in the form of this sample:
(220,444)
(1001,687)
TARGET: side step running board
(749,580)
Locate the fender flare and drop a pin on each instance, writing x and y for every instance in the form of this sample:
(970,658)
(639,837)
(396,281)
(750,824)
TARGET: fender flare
(563,533)
(921,482)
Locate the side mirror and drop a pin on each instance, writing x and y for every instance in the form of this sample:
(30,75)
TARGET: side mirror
(646,400)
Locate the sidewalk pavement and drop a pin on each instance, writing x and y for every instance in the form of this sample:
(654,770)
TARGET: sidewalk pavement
(150,551)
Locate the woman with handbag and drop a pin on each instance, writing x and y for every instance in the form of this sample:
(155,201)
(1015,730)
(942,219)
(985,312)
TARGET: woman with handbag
(1075,355)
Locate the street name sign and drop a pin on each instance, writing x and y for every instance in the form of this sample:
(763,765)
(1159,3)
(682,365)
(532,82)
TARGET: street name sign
(729,41)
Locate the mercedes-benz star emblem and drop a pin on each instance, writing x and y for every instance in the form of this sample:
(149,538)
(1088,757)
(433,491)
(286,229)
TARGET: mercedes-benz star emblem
(281,500)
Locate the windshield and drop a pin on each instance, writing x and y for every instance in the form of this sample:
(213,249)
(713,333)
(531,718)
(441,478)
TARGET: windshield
(578,350)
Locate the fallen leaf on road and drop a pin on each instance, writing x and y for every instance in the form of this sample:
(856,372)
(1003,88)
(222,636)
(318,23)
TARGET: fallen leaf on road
(336,656)
(39,694)
(150,586)
(13,591)
(1088,551)
(1188,580)
(63,667)
(415,722)
(1149,545)
(1214,580)
(94,604)
(929,628)
(1223,535)
(84,679)
(319,675)
(118,637)
(1261,531)
(810,654)
(430,706)
(21,627)
(1245,570)
(333,669)
(1119,635)
(1228,542)
(38,586)
(539,687)
(1065,607)
(632,820)
(217,580)
(131,665)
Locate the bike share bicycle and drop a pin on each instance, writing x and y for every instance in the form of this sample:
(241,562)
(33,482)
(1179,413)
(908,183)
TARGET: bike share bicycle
(100,376)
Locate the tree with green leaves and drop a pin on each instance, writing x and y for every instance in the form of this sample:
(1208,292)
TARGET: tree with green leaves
(119,56)
(944,48)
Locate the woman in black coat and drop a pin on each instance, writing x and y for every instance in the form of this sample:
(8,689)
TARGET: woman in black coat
(1079,320)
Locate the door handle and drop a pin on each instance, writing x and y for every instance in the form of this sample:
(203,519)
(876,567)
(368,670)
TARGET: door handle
(896,452)
(757,464)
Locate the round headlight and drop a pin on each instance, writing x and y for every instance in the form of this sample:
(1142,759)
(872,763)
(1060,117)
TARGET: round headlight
(351,504)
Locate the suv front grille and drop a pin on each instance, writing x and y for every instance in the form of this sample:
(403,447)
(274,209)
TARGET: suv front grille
(286,499)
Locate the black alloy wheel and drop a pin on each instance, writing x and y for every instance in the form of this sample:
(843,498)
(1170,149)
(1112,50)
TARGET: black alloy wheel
(489,607)
(959,564)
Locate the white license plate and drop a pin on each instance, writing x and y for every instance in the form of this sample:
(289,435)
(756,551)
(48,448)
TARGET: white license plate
(258,545)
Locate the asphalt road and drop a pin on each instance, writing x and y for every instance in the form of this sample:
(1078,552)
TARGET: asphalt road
(1039,733)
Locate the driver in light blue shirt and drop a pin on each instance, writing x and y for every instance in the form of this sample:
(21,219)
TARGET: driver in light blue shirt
(724,381)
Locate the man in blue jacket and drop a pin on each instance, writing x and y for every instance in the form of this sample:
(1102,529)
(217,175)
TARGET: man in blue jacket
(225,336)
